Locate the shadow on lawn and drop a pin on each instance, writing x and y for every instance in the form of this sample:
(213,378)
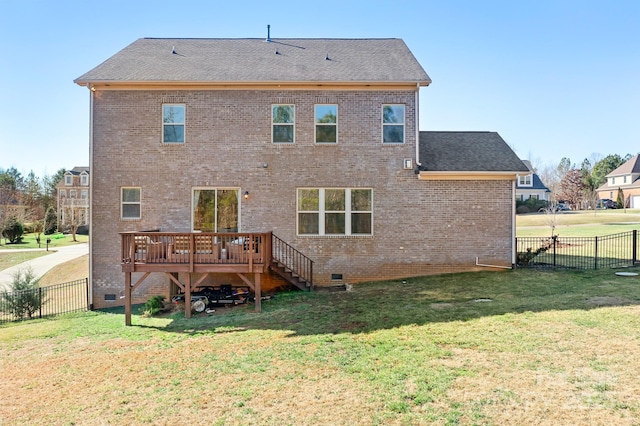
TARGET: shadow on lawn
(431,299)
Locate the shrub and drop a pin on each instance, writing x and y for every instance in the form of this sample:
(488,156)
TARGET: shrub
(50,222)
(25,297)
(154,305)
(13,230)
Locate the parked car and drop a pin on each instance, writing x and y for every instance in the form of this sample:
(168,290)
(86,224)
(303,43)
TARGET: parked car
(554,208)
(606,203)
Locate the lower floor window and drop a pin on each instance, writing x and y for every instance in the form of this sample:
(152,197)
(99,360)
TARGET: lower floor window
(335,211)
(130,203)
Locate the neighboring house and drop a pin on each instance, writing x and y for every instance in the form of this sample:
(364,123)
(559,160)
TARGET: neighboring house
(73,199)
(263,152)
(627,178)
(529,186)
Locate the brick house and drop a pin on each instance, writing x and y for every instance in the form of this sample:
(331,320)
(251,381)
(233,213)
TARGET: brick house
(311,142)
(73,198)
(625,178)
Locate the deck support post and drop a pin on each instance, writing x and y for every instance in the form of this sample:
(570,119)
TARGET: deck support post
(258,293)
(187,296)
(127,298)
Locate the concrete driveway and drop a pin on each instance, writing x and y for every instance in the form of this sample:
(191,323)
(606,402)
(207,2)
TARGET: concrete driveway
(43,264)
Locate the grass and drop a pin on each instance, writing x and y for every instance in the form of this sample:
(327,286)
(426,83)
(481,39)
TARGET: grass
(579,223)
(72,270)
(513,347)
(9,259)
(57,240)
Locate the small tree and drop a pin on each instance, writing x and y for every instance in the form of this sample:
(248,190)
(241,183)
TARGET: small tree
(25,297)
(620,199)
(50,222)
(13,230)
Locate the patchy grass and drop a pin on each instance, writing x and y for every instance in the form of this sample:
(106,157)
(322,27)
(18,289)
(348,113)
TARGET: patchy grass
(514,347)
(72,270)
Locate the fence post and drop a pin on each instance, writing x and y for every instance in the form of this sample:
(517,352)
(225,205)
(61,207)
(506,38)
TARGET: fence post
(40,302)
(595,259)
(86,283)
(555,239)
(634,247)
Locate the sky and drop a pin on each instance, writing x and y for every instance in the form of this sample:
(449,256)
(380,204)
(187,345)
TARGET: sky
(555,78)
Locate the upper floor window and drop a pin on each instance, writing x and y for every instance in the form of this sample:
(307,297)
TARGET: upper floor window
(173,123)
(613,181)
(393,123)
(335,211)
(84,180)
(72,193)
(624,179)
(283,120)
(68,180)
(326,118)
(130,203)
(84,194)
(63,193)
(524,180)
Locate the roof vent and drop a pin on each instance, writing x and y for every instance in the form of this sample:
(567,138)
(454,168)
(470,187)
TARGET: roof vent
(326,58)
(173,50)
(269,33)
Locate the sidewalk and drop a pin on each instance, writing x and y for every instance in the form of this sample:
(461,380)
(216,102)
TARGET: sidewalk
(43,264)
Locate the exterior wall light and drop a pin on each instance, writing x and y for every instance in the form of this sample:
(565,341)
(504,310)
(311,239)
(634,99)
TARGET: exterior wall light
(246,195)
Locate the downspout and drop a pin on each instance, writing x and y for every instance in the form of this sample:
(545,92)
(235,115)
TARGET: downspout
(513,222)
(417,109)
(91,171)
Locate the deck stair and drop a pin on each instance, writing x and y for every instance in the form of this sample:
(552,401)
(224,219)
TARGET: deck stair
(291,264)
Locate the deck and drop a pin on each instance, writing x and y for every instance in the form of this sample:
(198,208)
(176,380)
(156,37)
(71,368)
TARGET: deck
(244,254)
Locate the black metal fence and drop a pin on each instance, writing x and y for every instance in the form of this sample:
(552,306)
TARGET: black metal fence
(608,251)
(46,301)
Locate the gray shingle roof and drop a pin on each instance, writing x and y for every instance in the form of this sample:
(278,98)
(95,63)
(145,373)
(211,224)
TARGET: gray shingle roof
(467,152)
(628,167)
(150,60)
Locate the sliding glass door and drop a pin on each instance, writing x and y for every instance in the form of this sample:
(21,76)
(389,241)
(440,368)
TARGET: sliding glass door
(216,209)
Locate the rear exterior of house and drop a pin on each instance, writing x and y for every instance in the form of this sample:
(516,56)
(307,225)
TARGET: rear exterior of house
(313,140)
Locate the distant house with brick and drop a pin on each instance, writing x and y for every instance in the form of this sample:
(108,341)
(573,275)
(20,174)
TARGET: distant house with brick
(625,178)
(277,161)
(73,199)
(530,186)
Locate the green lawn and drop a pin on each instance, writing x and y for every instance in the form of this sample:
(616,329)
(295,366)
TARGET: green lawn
(513,347)
(57,240)
(578,223)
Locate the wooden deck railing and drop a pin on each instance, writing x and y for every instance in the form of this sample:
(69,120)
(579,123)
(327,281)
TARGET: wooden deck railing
(293,260)
(195,248)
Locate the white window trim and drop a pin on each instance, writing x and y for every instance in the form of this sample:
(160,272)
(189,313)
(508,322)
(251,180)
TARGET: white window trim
(183,124)
(122,203)
(293,125)
(68,180)
(84,180)
(404,125)
(321,213)
(316,124)
(522,183)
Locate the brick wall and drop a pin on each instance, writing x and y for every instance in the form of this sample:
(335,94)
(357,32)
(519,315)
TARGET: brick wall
(419,227)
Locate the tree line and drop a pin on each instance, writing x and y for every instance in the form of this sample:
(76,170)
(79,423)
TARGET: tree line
(577,185)
(28,201)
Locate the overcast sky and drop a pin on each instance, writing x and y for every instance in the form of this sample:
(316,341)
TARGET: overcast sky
(554,78)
